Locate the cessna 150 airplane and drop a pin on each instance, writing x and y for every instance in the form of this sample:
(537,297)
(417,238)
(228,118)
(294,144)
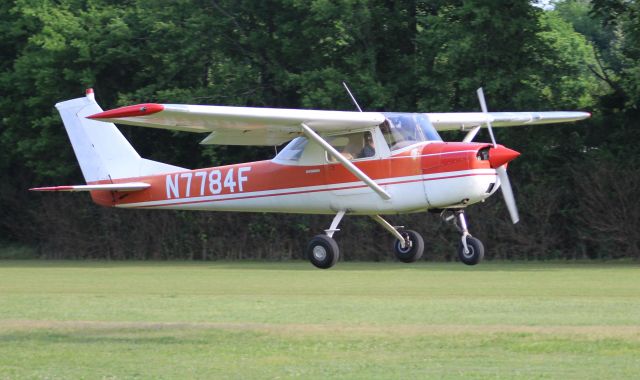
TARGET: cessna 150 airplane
(337,162)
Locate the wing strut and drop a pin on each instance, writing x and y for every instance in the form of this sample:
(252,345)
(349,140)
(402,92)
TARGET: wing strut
(346,163)
(471,134)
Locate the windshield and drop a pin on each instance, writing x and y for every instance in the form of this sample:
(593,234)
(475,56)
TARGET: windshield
(403,129)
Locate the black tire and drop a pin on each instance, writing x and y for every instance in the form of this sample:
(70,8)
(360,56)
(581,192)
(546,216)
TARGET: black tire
(413,251)
(323,251)
(476,251)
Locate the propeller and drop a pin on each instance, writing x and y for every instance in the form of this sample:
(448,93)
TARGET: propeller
(505,185)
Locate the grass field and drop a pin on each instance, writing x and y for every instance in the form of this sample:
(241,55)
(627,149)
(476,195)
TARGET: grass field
(61,320)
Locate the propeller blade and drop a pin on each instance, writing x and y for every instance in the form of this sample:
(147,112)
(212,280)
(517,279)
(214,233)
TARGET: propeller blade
(483,106)
(507,193)
(505,155)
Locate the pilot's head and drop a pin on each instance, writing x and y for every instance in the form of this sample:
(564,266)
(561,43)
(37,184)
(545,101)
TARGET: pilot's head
(368,139)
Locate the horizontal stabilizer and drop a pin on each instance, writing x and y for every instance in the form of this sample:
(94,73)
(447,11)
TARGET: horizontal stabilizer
(131,186)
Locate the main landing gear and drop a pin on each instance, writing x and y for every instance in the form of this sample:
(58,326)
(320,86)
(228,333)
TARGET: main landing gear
(408,246)
(323,251)
(470,249)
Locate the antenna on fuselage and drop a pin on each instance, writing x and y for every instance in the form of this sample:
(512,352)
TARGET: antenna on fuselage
(352,97)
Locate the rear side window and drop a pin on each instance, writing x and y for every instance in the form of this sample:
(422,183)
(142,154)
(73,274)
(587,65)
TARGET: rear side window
(293,151)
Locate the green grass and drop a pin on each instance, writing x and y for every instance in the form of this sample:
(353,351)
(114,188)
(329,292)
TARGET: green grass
(62,320)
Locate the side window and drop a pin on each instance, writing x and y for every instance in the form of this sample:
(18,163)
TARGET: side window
(352,146)
(294,149)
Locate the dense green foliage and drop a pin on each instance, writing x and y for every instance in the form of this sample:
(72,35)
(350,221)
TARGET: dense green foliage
(575,184)
(123,320)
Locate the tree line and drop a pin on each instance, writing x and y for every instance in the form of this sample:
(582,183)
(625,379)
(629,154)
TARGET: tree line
(575,184)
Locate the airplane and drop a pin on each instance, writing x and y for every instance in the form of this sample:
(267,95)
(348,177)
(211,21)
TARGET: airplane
(336,162)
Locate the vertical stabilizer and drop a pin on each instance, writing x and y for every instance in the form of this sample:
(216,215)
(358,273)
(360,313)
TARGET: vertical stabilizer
(102,151)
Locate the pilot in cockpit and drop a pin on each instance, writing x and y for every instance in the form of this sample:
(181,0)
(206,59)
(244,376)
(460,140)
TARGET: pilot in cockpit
(369,149)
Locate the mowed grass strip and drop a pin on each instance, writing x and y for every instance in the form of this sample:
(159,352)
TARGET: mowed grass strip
(284,320)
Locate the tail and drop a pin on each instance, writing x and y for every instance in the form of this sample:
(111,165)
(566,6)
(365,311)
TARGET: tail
(102,151)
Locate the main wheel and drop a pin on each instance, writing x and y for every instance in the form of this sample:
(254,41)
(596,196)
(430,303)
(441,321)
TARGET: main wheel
(413,250)
(323,251)
(475,254)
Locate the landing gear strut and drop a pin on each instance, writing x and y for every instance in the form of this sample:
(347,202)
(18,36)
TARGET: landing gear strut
(470,249)
(323,252)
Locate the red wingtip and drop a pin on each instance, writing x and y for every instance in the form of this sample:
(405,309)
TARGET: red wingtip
(129,111)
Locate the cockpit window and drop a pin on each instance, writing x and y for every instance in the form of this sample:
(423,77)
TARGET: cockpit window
(403,129)
(293,150)
(352,146)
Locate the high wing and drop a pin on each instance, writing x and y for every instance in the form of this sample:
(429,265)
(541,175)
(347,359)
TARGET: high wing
(468,120)
(238,125)
(274,126)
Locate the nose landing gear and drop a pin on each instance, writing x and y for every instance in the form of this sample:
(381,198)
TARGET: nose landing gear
(470,249)
(473,253)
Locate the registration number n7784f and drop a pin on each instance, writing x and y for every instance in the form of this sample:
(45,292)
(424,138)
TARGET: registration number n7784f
(206,182)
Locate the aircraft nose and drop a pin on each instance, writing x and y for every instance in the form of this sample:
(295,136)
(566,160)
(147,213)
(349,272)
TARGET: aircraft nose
(500,155)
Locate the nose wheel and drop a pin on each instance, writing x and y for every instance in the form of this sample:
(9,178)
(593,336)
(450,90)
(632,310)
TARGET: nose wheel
(473,253)
(470,249)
